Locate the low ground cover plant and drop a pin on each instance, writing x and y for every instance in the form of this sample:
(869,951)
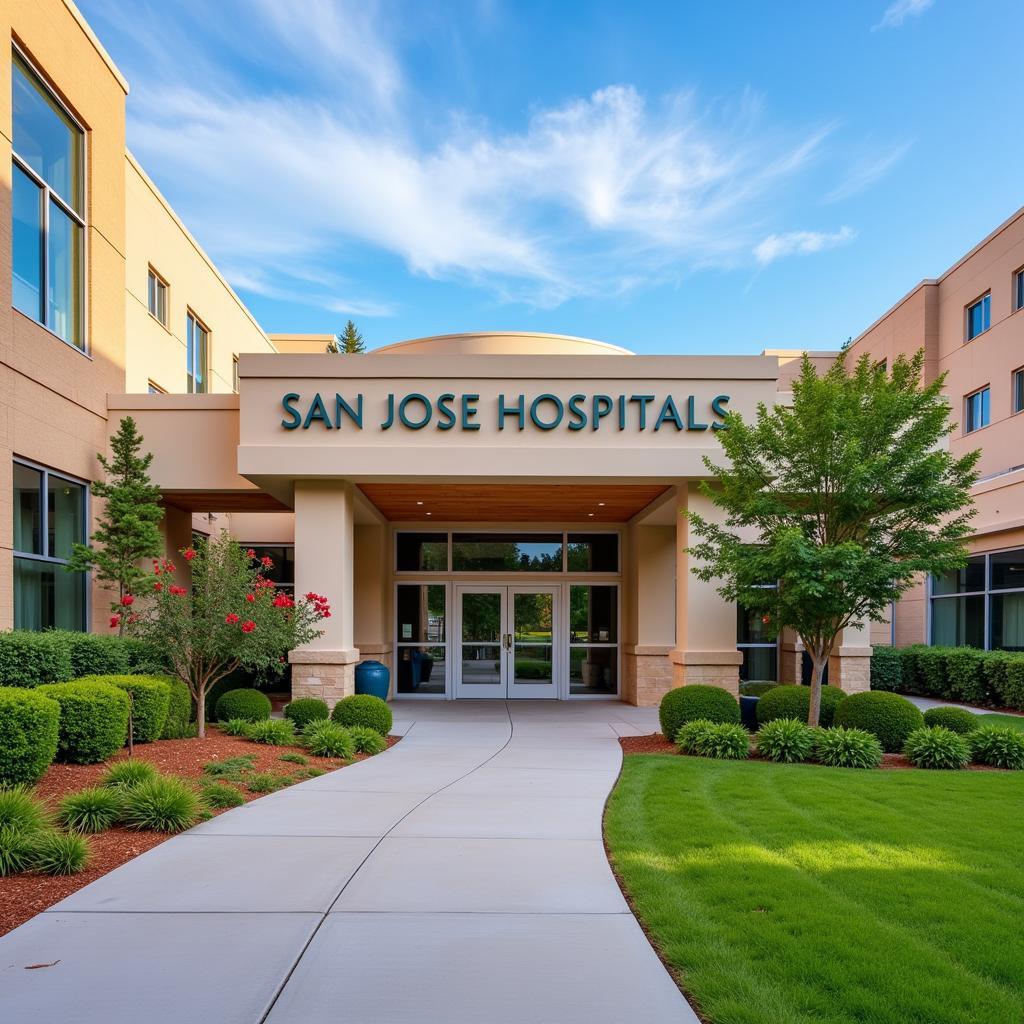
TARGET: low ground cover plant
(231,768)
(94,809)
(125,774)
(29,733)
(888,716)
(294,758)
(722,740)
(93,720)
(306,710)
(998,746)
(363,709)
(235,726)
(785,740)
(328,739)
(695,703)
(250,705)
(265,782)
(221,795)
(795,702)
(161,804)
(842,747)
(957,719)
(937,747)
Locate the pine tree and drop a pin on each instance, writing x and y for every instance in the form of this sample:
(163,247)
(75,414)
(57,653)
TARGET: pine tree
(350,341)
(128,530)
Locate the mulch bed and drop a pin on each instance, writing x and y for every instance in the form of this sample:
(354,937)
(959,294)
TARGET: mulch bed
(25,895)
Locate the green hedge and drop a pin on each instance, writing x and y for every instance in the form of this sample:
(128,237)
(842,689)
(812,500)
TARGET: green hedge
(967,674)
(93,720)
(888,716)
(179,710)
(32,659)
(29,731)
(151,698)
(886,669)
(795,702)
(696,703)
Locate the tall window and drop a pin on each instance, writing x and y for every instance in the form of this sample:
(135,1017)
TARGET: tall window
(979,316)
(282,572)
(48,204)
(1018,289)
(421,650)
(760,655)
(49,517)
(981,605)
(197,343)
(593,639)
(976,410)
(1018,390)
(157,297)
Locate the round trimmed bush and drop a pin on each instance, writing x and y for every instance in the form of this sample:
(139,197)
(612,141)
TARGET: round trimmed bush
(161,804)
(94,809)
(179,710)
(956,719)
(888,716)
(363,709)
(306,710)
(840,747)
(785,740)
(93,720)
(151,699)
(251,705)
(328,739)
(937,747)
(795,702)
(29,731)
(998,746)
(690,703)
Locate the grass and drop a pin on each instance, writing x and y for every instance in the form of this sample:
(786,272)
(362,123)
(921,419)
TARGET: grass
(1013,721)
(792,894)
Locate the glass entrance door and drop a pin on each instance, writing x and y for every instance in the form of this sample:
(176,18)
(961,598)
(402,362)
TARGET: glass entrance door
(507,641)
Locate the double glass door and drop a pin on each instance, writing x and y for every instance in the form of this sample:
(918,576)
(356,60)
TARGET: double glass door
(507,644)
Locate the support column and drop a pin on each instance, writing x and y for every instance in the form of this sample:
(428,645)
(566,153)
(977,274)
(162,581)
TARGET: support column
(705,650)
(849,667)
(791,655)
(372,570)
(177,528)
(324,555)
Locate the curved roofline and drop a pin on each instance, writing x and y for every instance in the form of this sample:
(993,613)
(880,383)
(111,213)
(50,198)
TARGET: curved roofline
(611,349)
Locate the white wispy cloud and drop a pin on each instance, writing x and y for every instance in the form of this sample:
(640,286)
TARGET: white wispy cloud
(865,172)
(800,243)
(899,10)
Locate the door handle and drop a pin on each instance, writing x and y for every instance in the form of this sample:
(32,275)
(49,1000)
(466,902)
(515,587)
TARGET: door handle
(506,641)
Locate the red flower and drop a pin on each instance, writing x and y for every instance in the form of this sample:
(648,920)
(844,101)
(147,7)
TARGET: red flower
(177,591)
(158,585)
(267,562)
(231,618)
(156,567)
(250,598)
(189,554)
(127,601)
(248,626)
(283,601)
(115,621)
(251,553)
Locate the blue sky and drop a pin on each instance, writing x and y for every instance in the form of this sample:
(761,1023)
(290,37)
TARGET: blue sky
(671,177)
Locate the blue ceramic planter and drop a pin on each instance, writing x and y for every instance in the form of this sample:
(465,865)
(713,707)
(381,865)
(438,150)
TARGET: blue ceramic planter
(748,712)
(373,678)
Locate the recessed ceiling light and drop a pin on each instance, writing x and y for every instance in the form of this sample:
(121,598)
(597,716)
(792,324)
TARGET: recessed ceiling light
(430,513)
(419,502)
(600,504)
(590,513)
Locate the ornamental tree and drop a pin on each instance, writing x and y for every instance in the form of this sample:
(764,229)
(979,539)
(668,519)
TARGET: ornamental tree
(128,530)
(841,501)
(232,617)
(349,342)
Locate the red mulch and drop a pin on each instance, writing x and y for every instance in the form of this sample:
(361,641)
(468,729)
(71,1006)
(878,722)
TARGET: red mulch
(25,895)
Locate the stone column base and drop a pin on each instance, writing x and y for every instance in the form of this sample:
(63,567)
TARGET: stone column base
(707,668)
(328,675)
(647,674)
(791,660)
(849,669)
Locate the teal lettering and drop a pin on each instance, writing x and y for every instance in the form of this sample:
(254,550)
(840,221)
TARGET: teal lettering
(622,412)
(642,401)
(579,422)
(355,415)
(469,410)
(691,416)
(717,407)
(669,412)
(317,413)
(445,410)
(602,405)
(559,412)
(403,407)
(390,421)
(519,410)
(288,404)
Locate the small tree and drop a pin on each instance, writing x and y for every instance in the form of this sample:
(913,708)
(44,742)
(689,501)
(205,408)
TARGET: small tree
(350,341)
(843,500)
(233,617)
(128,530)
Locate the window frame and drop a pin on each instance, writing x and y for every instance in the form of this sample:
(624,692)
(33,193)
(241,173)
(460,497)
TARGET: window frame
(1016,375)
(763,645)
(1017,291)
(44,528)
(155,275)
(234,374)
(191,315)
(977,393)
(48,196)
(985,301)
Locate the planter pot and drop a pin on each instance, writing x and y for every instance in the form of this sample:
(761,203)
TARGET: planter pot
(748,712)
(373,678)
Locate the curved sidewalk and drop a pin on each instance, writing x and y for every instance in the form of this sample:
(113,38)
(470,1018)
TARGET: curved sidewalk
(459,877)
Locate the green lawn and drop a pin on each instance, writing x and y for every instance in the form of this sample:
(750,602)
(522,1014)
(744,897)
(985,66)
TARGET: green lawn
(1013,721)
(797,893)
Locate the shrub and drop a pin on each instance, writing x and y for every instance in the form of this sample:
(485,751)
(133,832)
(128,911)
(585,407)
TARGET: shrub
(220,795)
(251,705)
(232,768)
(125,774)
(932,674)
(150,697)
(690,735)
(328,739)
(276,731)
(179,710)
(22,811)
(292,758)
(363,709)
(28,658)
(1012,690)
(161,804)
(795,702)
(94,809)
(94,654)
(265,782)
(756,687)
(29,731)
(965,674)
(236,726)
(60,853)
(840,747)
(367,741)
(145,658)
(886,668)
(306,710)
(998,746)
(690,703)
(937,747)
(93,720)
(785,740)
(888,716)
(16,850)
(312,772)
(722,740)
(957,719)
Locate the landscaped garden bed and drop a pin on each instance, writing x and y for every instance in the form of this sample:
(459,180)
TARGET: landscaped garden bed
(24,895)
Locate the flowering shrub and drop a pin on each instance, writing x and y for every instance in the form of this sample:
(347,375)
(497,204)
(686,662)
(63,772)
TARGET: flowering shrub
(233,617)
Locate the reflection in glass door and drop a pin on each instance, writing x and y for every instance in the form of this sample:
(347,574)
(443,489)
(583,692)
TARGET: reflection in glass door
(480,658)
(532,652)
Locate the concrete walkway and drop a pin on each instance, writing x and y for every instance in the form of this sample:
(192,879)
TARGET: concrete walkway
(459,877)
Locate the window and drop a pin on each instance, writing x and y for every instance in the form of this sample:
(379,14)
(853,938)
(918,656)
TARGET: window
(155,389)
(49,517)
(982,605)
(593,640)
(422,552)
(593,552)
(48,208)
(421,631)
(979,317)
(157,297)
(282,572)
(976,410)
(197,344)
(234,374)
(506,552)
(1018,390)
(1018,289)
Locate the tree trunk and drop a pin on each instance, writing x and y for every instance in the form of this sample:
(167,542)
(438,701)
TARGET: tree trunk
(201,712)
(819,660)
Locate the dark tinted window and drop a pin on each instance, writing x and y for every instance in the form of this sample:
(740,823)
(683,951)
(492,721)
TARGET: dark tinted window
(422,552)
(506,552)
(593,552)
